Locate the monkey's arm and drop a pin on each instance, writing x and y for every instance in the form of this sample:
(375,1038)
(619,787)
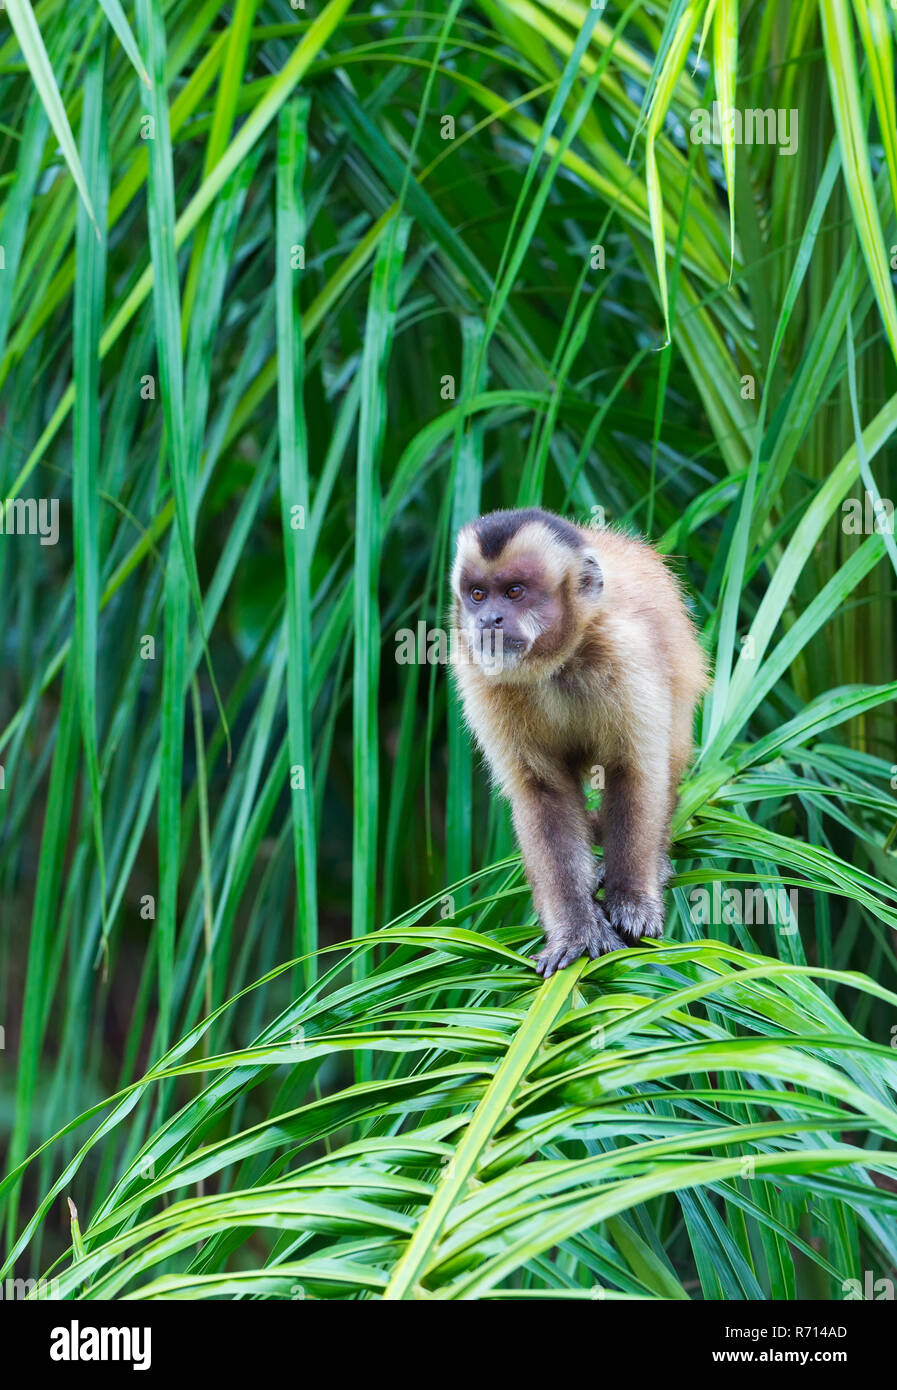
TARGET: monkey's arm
(638,798)
(596,835)
(553,833)
(637,808)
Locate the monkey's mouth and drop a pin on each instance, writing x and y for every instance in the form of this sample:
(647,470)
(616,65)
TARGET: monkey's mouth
(498,651)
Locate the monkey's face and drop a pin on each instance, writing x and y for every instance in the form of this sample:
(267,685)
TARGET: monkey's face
(521,581)
(506,609)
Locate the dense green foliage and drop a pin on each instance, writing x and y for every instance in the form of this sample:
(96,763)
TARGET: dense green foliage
(286,296)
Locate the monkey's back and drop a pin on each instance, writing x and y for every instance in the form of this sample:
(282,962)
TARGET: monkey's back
(640,584)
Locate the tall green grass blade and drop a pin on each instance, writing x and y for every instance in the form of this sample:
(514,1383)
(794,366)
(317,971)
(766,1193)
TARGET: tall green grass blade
(379,329)
(24,25)
(855,161)
(725,67)
(123,32)
(295,506)
(90,283)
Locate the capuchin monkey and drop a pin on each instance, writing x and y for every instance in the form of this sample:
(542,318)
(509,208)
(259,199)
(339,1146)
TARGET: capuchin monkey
(583,656)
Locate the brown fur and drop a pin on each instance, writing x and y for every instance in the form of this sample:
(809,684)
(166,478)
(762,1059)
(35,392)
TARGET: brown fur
(603,668)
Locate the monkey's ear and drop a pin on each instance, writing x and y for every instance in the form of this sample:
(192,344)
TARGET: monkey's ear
(591,579)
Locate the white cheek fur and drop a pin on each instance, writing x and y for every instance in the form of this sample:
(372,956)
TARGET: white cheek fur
(530,627)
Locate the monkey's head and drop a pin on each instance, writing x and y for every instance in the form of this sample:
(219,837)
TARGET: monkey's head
(523,583)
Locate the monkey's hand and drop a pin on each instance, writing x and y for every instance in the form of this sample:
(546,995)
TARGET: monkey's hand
(593,937)
(634,915)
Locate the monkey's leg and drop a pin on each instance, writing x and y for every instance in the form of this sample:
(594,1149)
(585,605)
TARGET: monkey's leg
(553,833)
(637,812)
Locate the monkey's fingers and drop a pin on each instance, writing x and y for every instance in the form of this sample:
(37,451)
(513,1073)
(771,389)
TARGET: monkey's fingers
(598,939)
(601,937)
(635,915)
(555,958)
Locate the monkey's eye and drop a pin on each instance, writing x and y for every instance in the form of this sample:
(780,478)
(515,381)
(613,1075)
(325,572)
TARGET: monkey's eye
(477,594)
(515,591)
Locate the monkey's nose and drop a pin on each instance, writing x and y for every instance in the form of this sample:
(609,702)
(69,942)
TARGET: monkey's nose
(497,620)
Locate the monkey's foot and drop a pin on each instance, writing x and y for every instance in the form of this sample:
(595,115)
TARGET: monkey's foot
(634,914)
(593,938)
